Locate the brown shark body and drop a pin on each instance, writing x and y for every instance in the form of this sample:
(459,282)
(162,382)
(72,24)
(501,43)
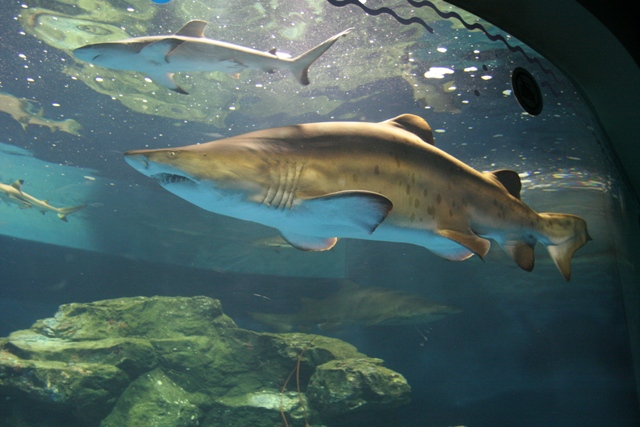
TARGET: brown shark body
(379,181)
(356,305)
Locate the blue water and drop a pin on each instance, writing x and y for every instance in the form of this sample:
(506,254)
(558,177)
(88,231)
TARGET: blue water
(528,349)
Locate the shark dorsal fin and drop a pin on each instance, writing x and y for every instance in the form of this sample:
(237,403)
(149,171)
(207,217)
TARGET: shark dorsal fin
(274,52)
(414,124)
(18,184)
(509,180)
(193,28)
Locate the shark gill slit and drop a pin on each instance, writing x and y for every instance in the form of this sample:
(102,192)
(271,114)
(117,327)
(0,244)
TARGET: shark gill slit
(280,186)
(270,194)
(285,178)
(297,172)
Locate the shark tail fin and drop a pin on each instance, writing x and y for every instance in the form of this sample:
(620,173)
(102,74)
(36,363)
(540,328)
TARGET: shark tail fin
(279,322)
(300,65)
(564,234)
(63,212)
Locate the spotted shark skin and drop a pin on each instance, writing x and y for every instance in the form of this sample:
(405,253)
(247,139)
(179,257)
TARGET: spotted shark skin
(383,181)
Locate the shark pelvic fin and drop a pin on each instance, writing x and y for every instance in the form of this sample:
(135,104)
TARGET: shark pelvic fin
(522,253)
(194,28)
(414,124)
(472,242)
(510,180)
(309,243)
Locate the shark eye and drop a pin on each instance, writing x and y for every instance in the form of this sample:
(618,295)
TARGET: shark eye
(172,153)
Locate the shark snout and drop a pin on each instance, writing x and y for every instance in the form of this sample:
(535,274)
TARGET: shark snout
(85,53)
(137,161)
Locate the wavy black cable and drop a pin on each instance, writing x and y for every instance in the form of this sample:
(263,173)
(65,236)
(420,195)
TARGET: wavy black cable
(380,11)
(444,15)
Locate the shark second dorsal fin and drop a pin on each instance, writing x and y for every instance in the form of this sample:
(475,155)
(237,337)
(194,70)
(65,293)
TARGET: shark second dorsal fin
(193,28)
(414,124)
(18,184)
(509,180)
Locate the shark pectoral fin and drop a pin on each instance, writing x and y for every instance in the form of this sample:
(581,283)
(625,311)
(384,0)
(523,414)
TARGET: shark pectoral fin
(364,210)
(343,210)
(522,253)
(159,49)
(166,80)
(474,243)
(309,243)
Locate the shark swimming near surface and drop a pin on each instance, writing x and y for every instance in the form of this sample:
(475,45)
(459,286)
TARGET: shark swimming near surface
(13,193)
(355,305)
(378,181)
(189,51)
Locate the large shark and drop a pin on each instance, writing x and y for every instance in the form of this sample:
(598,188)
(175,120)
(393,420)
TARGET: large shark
(189,51)
(378,181)
(13,193)
(356,305)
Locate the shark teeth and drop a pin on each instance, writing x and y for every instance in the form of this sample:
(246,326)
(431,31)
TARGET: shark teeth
(169,178)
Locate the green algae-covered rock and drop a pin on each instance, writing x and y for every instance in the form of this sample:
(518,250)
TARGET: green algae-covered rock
(174,361)
(342,386)
(85,390)
(154,400)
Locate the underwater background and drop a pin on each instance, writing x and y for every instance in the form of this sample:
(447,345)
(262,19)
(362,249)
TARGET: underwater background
(522,348)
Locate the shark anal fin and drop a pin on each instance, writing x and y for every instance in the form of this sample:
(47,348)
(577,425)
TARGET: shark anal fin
(509,180)
(474,243)
(193,28)
(309,243)
(522,253)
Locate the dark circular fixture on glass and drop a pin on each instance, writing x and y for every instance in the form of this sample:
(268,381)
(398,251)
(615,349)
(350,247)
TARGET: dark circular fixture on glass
(527,91)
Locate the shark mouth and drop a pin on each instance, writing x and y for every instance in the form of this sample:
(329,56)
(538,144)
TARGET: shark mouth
(169,178)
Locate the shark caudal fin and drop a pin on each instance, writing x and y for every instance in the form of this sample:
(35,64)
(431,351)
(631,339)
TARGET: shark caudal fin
(300,65)
(564,235)
(63,212)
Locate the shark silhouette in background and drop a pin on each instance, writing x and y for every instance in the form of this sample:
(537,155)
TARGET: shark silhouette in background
(355,305)
(189,51)
(23,111)
(13,194)
(377,181)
